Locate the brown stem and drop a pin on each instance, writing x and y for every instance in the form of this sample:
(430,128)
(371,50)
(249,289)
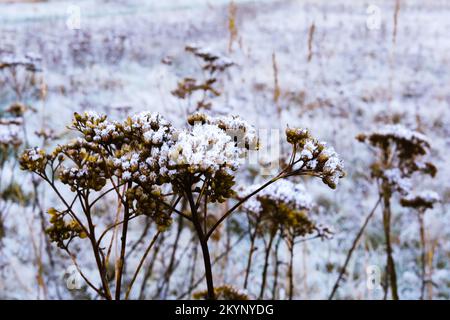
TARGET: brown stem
(123,240)
(98,261)
(291,268)
(276,267)
(141,262)
(169,271)
(266,266)
(390,264)
(250,254)
(352,249)
(149,270)
(423,254)
(208,271)
(195,284)
(203,244)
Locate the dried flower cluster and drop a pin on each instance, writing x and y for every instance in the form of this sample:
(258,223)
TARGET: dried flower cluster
(146,151)
(283,192)
(401,150)
(310,155)
(213,61)
(151,165)
(11,121)
(283,206)
(61,229)
(9,135)
(29,61)
(212,64)
(425,199)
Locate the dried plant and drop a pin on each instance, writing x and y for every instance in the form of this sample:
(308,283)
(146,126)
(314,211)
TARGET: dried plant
(421,202)
(399,152)
(150,166)
(232,27)
(21,74)
(276,85)
(283,209)
(312,30)
(212,64)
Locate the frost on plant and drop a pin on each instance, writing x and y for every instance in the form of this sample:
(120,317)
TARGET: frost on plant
(399,157)
(211,164)
(312,157)
(425,199)
(151,166)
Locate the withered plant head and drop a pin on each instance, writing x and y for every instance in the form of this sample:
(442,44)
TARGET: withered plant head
(420,201)
(130,153)
(213,64)
(399,155)
(29,62)
(284,206)
(63,228)
(11,136)
(212,61)
(312,157)
(149,156)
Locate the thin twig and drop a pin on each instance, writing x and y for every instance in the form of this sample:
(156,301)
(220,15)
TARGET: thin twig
(353,247)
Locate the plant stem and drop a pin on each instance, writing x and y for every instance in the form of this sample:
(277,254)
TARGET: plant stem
(291,269)
(203,244)
(266,266)
(390,264)
(123,240)
(149,270)
(423,254)
(276,267)
(141,262)
(95,249)
(352,249)
(250,254)
(170,268)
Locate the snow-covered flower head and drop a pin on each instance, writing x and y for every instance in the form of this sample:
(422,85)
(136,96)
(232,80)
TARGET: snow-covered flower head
(9,136)
(213,61)
(33,159)
(425,199)
(400,152)
(29,61)
(408,141)
(313,157)
(204,148)
(212,144)
(283,205)
(283,191)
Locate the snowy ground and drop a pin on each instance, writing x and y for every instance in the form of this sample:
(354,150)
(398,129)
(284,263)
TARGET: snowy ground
(356,77)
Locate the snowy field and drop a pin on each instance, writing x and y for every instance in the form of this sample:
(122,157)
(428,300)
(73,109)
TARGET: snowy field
(337,68)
